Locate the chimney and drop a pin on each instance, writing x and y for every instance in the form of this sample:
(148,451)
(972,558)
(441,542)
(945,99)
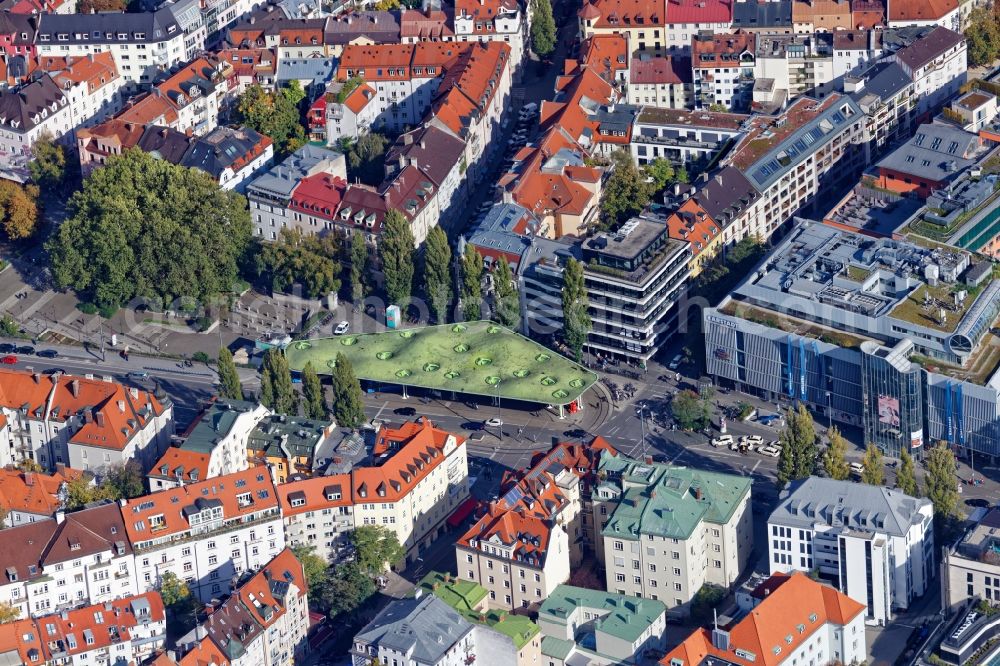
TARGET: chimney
(37,377)
(423,144)
(74,388)
(60,517)
(121,406)
(99,416)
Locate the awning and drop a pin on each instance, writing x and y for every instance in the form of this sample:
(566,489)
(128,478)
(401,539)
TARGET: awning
(463,511)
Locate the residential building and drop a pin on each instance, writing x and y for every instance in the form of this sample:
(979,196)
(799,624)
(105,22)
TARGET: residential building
(722,67)
(667,531)
(643,24)
(609,56)
(660,81)
(420,630)
(32,111)
(944,13)
(798,621)
(810,17)
(188,99)
(973,111)
(350,109)
(728,198)
(287,445)
(96,144)
(270,195)
(265,619)
(250,67)
(501,21)
(77,559)
(509,639)
(207,532)
(885,94)
(687,18)
(796,64)
(215,444)
(361,27)
(438,154)
(17,34)
(143,44)
(634,277)
(970,568)
(83,423)
(580,625)
(691,224)
(26,497)
(875,544)
(772,17)
(232,157)
(92,87)
(126,630)
(937,63)
(319,512)
(854,48)
(689,139)
(934,157)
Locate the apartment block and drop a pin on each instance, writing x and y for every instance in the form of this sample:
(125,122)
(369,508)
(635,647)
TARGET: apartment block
(936,60)
(667,531)
(501,21)
(207,533)
(970,568)
(876,545)
(422,630)
(26,497)
(723,69)
(691,139)
(37,109)
(319,513)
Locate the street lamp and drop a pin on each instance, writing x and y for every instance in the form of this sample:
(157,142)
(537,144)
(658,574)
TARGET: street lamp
(499,418)
(829,412)
(641,411)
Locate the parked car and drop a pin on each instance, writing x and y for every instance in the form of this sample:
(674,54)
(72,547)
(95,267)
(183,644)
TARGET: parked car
(493,423)
(977,503)
(342,327)
(754,441)
(26,350)
(769,451)
(675,362)
(7,348)
(405,411)
(857,468)
(138,374)
(575,433)
(9,359)
(768,419)
(722,440)
(48,353)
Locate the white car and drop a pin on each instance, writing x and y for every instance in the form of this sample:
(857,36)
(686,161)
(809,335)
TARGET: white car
(769,451)
(754,441)
(722,440)
(857,468)
(342,327)
(493,423)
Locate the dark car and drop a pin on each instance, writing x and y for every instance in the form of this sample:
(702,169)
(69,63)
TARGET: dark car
(7,348)
(53,371)
(405,411)
(472,425)
(977,503)
(48,353)
(26,350)
(575,433)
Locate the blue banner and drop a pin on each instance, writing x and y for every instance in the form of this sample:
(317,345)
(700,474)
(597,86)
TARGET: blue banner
(802,368)
(788,371)
(959,421)
(948,426)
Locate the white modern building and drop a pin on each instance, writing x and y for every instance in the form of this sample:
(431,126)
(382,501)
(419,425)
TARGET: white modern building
(876,544)
(419,630)
(319,513)
(938,64)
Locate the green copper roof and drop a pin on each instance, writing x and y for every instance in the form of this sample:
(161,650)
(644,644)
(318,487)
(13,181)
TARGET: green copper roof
(623,617)
(661,500)
(465,595)
(556,647)
(215,424)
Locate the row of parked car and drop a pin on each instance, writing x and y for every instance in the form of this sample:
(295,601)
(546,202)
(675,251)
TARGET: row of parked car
(748,444)
(9,353)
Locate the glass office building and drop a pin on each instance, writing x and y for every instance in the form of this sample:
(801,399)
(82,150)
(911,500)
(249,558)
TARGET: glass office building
(892,398)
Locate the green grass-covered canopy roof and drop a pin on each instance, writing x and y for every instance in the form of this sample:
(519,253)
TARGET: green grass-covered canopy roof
(471,357)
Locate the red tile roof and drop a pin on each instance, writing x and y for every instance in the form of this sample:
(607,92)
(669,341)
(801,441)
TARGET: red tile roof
(823,14)
(661,70)
(204,654)
(181,464)
(360,97)
(484,11)
(321,492)
(105,623)
(318,195)
(628,14)
(23,638)
(30,492)
(429,25)
(699,11)
(95,70)
(721,49)
(773,623)
(164,513)
(920,10)
(692,224)
(608,54)
(470,85)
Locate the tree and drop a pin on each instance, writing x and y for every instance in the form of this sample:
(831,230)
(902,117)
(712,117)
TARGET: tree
(312,389)
(8,612)
(576,319)
(437,272)
(543,28)
(705,600)
(366,158)
(348,408)
(29,465)
(314,567)
(346,590)
(798,446)
(375,547)
(506,302)
(297,257)
(142,226)
(123,480)
(941,484)
(982,37)
(661,171)
(872,471)
(359,267)
(906,477)
(229,378)
(173,590)
(82,491)
(719,108)
(396,252)
(48,164)
(472,283)
(18,210)
(274,114)
(276,390)
(625,194)
(835,456)
(691,410)
(9,326)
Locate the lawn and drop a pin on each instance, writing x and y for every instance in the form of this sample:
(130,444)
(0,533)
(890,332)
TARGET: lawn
(911,308)
(468,358)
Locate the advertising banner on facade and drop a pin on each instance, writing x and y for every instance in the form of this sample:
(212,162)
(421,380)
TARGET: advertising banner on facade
(888,410)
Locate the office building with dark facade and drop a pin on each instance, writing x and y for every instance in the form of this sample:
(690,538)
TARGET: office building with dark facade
(876,333)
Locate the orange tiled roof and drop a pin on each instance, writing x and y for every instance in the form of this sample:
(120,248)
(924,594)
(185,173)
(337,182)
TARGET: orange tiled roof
(359,98)
(691,223)
(321,492)
(99,626)
(920,10)
(720,44)
(204,654)
(95,70)
(183,464)
(483,11)
(470,84)
(126,134)
(23,638)
(284,567)
(773,623)
(628,14)
(826,14)
(30,492)
(161,514)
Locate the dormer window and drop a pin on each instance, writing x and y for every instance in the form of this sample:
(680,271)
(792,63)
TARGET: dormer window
(298,501)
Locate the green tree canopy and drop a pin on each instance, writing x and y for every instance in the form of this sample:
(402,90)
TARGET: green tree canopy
(376,547)
(661,171)
(145,227)
(437,272)
(982,36)
(506,301)
(315,568)
(626,192)
(18,210)
(798,446)
(543,28)
(300,258)
(124,480)
(906,477)
(347,590)
(274,114)
(173,590)
(691,410)
(366,158)
(872,471)
(396,252)
(472,283)
(312,391)
(8,612)
(83,490)
(48,164)
(835,456)
(276,390)
(229,379)
(360,268)
(942,483)
(348,406)
(576,319)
